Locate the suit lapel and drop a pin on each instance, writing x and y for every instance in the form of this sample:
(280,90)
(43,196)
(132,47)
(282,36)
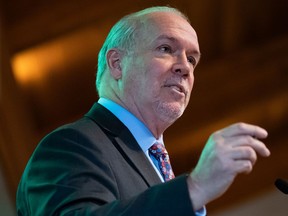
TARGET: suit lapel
(124,142)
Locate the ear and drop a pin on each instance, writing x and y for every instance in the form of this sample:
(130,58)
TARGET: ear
(114,63)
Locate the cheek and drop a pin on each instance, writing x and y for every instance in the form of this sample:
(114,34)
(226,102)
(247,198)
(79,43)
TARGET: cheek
(162,65)
(158,70)
(155,73)
(191,81)
(151,75)
(190,84)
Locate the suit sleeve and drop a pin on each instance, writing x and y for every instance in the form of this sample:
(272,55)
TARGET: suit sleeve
(68,175)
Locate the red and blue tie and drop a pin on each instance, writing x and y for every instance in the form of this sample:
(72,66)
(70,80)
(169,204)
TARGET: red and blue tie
(160,153)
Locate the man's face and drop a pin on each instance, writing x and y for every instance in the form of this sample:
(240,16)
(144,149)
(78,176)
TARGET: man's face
(157,76)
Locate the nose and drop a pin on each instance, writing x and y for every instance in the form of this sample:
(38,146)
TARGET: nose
(182,66)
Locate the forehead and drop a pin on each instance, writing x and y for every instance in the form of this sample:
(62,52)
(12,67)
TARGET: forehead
(170,24)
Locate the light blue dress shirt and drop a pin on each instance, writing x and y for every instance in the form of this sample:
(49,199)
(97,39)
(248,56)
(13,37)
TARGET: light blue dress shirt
(141,133)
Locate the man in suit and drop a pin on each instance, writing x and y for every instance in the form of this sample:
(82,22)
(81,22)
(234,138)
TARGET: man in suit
(103,164)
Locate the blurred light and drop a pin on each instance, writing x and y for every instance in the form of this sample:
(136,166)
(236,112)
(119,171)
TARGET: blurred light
(34,65)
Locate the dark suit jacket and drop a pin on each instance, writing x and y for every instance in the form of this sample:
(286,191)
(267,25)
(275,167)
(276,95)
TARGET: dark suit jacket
(94,166)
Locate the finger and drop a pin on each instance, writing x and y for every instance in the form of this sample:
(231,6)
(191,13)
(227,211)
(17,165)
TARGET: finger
(244,129)
(244,153)
(248,141)
(243,166)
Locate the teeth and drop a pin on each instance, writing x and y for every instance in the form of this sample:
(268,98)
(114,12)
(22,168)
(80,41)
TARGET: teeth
(177,88)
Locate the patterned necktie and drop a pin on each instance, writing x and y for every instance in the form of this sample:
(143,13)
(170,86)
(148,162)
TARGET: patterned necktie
(160,153)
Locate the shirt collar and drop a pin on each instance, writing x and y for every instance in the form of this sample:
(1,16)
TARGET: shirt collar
(141,133)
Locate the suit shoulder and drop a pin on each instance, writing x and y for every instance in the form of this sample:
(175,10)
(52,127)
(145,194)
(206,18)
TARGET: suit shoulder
(83,131)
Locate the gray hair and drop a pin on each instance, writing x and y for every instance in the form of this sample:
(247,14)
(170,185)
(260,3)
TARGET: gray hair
(123,34)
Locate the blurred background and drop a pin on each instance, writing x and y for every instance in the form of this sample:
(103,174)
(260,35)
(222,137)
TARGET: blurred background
(49,50)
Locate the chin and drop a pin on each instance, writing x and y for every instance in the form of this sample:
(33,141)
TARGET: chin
(169,112)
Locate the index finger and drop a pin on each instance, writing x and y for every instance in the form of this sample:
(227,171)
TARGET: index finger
(244,129)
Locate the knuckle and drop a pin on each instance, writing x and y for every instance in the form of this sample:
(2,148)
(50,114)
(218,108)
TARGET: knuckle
(251,155)
(241,126)
(247,166)
(249,140)
(216,137)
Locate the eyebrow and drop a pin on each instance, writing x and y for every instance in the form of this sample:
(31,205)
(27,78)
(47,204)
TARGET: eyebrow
(164,36)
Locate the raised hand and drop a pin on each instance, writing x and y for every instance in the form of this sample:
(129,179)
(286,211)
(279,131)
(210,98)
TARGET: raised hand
(228,152)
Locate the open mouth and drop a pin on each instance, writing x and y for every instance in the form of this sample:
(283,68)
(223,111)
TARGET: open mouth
(176,87)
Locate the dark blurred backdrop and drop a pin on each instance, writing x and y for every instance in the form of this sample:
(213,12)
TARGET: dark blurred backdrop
(49,50)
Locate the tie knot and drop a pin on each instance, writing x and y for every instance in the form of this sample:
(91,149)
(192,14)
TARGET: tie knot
(158,150)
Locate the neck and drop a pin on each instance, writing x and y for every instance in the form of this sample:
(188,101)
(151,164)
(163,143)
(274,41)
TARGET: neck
(148,117)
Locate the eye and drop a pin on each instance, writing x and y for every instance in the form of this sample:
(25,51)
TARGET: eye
(192,60)
(165,49)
